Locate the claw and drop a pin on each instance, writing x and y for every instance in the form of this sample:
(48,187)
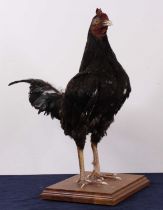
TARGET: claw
(82,186)
(88,175)
(112,176)
(118,178)
(87,180)
(102,178)
(104,183)
(83,182)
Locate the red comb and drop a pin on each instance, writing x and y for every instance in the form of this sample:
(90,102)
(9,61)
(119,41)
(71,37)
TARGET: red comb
(98,12)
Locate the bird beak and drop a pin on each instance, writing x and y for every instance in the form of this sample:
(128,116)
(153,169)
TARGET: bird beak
(107,23)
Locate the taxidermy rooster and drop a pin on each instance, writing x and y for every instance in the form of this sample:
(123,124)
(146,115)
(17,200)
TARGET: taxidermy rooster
(92,97)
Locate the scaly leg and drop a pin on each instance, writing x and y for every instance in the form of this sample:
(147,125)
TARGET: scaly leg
(96,176)
(82,180)
(96,162)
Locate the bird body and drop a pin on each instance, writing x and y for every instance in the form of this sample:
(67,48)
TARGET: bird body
(95,94)
(92,97)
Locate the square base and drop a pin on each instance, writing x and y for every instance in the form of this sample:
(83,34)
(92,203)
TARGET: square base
(111,194)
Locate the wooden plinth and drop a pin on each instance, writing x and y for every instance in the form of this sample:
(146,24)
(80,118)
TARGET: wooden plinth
(111,194)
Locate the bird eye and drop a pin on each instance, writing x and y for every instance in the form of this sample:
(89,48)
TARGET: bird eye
(96,21)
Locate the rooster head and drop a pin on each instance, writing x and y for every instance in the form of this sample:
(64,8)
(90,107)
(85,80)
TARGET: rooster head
(99,24)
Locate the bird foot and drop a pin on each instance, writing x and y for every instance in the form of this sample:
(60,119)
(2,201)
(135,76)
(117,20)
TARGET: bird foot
(83,182)
(101,178)
(111,176)
(91,180)
(96,178)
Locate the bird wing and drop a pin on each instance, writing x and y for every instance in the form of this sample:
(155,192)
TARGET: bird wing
(44,97)
(80,98)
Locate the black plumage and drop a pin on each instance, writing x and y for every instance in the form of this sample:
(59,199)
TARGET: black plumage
(44,97)
(95,94)
(92,97)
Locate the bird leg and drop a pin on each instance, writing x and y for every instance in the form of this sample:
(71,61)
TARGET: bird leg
(96,162)
(96,175)
(82,180)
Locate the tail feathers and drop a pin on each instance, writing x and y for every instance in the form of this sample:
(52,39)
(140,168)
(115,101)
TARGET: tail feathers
(27,80)
(44,97)
(38,82)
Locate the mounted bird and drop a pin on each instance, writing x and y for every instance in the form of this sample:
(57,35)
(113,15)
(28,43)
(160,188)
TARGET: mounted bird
(91,99)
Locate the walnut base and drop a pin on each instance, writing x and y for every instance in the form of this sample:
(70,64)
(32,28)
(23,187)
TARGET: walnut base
(111,194)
